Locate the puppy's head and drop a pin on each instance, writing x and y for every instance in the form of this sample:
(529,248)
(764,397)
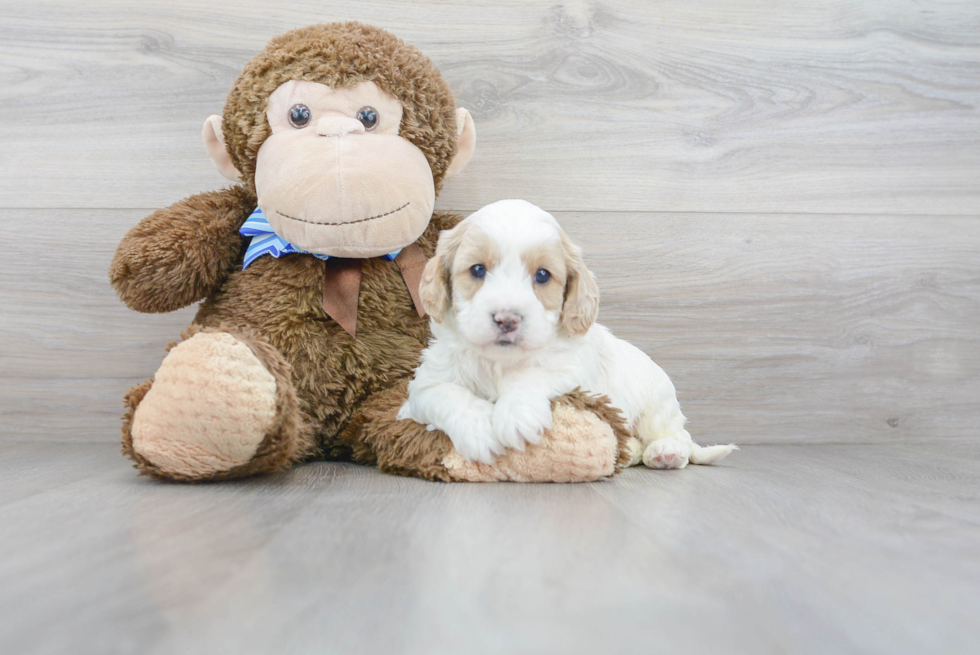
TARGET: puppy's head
(509,279)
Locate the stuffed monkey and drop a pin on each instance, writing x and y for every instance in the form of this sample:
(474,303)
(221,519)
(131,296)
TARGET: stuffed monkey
(339,137)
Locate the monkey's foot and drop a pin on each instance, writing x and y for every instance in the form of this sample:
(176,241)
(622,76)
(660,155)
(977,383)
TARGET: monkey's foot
(587,441)
(220,406)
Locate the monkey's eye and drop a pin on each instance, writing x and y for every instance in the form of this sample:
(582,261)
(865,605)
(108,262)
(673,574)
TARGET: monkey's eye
(299,116)
(479,271)
(542,276)
(368,117)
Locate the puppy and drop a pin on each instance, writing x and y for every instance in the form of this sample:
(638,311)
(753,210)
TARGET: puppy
(513,322)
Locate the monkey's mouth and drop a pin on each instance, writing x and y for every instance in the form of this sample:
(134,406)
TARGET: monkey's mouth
(359,220)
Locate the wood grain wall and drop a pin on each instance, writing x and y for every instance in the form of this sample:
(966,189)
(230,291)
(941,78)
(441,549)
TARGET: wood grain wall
(781,199)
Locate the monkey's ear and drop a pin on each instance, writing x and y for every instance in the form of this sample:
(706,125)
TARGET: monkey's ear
(465,142)
(214,141)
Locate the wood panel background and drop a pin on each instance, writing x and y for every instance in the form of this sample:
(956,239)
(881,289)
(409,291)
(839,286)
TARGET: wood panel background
(781,199)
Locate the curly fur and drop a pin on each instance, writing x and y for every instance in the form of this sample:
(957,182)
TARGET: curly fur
(341,55)
(178,255)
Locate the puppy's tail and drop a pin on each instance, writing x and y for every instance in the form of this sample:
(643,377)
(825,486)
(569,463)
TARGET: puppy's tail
(711,454)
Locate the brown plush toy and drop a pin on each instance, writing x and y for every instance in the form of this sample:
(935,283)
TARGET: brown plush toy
(340,136)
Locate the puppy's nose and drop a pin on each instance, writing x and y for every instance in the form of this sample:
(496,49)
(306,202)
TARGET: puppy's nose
(507,321)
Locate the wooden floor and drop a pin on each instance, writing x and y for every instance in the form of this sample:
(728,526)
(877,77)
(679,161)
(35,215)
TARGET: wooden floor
(784,549)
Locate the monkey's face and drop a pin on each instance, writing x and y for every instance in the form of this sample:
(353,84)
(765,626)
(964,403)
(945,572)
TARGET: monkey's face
(335,178)
(345,133)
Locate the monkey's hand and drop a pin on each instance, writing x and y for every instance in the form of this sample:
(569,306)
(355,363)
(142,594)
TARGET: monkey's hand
(176,256)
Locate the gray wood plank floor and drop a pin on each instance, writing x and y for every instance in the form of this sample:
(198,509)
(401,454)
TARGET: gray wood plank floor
(784,549)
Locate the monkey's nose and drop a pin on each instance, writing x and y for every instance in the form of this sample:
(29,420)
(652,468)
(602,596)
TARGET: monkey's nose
(338,126)
(507,321)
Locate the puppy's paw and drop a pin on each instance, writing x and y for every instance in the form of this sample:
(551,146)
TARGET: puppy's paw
(667,453)
(472,434)
(521,418)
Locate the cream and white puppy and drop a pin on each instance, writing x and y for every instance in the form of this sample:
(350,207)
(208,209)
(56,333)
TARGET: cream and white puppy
(513,323)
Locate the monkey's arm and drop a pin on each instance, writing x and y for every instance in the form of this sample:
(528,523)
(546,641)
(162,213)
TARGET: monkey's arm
(176,256)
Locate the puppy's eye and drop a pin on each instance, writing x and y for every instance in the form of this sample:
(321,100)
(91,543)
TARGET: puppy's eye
(368,117)
(542,276)
(478,271)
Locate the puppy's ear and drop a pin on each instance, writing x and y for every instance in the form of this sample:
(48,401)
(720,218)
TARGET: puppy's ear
(435,288)
(581,306)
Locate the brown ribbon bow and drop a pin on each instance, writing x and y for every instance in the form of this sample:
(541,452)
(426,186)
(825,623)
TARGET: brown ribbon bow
(342,285)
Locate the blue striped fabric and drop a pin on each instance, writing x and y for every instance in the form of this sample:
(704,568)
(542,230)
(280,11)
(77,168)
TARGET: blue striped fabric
(266,242)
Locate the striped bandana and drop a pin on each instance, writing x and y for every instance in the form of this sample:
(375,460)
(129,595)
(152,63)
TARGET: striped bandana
(341,276)
(266,242)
